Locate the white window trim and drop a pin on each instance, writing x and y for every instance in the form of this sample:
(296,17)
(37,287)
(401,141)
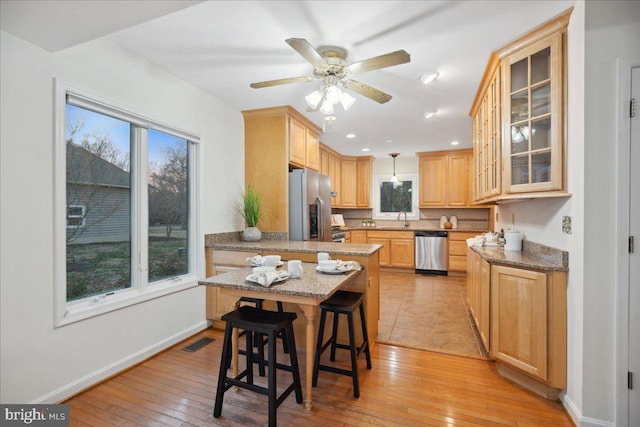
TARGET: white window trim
(70,312)
(377,182)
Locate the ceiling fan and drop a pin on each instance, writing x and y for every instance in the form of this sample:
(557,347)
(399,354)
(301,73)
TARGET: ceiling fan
(329,65)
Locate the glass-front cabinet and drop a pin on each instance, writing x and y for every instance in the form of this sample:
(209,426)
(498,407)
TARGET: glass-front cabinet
(519,118)
(532,112)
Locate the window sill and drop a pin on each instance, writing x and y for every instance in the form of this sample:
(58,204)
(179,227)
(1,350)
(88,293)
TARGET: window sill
(102,304)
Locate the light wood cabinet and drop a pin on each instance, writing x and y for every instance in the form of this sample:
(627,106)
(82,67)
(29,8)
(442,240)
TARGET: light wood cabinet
(398,247)
(304,145)
(274,139)
(349,173)
(478,296)
(458,250)
(521,315)
(324,162)
(363,182)
(519,116)
(358,236)
(444,178)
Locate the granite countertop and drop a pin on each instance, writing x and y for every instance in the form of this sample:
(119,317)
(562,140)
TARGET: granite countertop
(275,242)
(310,284)
(392,228)
(534,256)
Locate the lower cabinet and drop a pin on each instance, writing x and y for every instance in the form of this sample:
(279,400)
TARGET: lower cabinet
(358,236)
(398,247)
(458,250)
(478,285)
(521,315)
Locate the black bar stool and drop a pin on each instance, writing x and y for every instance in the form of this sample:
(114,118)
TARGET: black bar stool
(342,302)
(259,341)
(256,321)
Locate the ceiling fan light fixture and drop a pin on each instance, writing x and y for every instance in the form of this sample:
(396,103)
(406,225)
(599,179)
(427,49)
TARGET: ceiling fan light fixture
(346,100)
(428,78)
(326,109)
(333,94)
(313,99)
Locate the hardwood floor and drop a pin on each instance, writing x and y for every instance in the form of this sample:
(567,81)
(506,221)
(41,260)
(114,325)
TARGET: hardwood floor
(437,303)
(406,387)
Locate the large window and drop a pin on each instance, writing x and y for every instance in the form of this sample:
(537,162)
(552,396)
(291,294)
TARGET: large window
(393,198)
(129,222)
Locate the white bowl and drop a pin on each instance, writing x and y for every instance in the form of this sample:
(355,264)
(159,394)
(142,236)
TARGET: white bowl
(271,260)
(263,269)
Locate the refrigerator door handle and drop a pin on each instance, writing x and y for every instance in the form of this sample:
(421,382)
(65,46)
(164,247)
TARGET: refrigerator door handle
(320,203)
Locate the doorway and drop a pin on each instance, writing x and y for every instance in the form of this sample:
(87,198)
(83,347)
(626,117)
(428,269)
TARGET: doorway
(628,312)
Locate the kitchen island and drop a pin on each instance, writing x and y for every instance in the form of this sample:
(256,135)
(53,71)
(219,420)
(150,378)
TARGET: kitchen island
(226,252)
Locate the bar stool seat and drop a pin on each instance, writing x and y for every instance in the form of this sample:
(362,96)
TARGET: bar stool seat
(342,302)
(257,321)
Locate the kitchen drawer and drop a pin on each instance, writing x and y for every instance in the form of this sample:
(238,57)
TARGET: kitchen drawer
(382,234)
(457,263)
(457,247)
(462,235)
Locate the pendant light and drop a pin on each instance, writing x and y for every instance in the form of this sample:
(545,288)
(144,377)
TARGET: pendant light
(394,178)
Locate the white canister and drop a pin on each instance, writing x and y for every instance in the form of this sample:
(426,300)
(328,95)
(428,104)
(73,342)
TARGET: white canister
(454,221)
(443,219)
(513,240)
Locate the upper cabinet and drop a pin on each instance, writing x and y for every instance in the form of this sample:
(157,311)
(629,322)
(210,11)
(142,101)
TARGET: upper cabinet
(304,145)
(276,139)
(519,118)
(444,178)
(350,178)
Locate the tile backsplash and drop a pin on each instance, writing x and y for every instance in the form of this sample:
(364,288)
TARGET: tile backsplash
(474,219)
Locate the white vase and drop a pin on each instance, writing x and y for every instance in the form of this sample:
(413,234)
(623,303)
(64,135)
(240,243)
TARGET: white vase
(251,234)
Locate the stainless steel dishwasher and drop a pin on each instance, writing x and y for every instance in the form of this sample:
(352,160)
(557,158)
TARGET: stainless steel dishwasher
(432,252)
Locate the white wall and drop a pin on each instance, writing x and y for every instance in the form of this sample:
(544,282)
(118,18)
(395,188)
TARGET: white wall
(38,362)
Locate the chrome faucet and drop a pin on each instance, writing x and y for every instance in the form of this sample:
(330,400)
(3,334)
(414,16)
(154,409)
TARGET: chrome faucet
(406,223)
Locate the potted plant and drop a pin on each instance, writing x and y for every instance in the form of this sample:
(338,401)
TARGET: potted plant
(251,211)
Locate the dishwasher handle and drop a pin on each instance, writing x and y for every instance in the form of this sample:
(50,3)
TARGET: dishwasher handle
(431,234)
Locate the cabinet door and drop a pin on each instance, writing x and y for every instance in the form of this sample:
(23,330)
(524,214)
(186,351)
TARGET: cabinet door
(519,319)
(324,164)
(335,173)
(297,143)
(402,253)
(358,236)
(383,253)
(458,179)
(363,184)
(483,300)
(432,189)
(348,183)
(313,150)
(533,131)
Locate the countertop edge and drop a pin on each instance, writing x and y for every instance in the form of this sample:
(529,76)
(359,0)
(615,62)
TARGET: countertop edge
(519,259)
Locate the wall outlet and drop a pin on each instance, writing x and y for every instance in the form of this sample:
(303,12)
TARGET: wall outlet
(566,224)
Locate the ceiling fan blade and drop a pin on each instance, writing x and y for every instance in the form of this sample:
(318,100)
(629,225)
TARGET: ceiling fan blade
(368,91)
(281,82)
(307,51)
(382,61)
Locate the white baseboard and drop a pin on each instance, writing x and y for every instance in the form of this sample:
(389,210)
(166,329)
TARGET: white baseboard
(95,377)
(577,417)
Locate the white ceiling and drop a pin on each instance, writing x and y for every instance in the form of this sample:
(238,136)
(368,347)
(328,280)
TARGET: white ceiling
(223,46)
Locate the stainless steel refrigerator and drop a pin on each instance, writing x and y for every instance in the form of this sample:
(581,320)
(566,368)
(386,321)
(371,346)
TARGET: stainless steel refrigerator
(309,205)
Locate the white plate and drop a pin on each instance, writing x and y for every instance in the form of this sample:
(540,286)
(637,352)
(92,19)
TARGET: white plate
(493,244)
(331,271)
(284,275)
(280,263)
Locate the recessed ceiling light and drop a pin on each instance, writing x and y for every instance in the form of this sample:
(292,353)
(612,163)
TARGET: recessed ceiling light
(430,114)
(351,135)
(428,78)
(454,143)
(388,141)
(365,149)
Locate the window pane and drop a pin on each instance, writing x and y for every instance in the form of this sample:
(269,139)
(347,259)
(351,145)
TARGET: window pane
(98,204)
(519,106)
(541,134)
(520,170)
(541,66)
(540,100)
(541,165)
(519,75)
(168,205)
(395,197)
